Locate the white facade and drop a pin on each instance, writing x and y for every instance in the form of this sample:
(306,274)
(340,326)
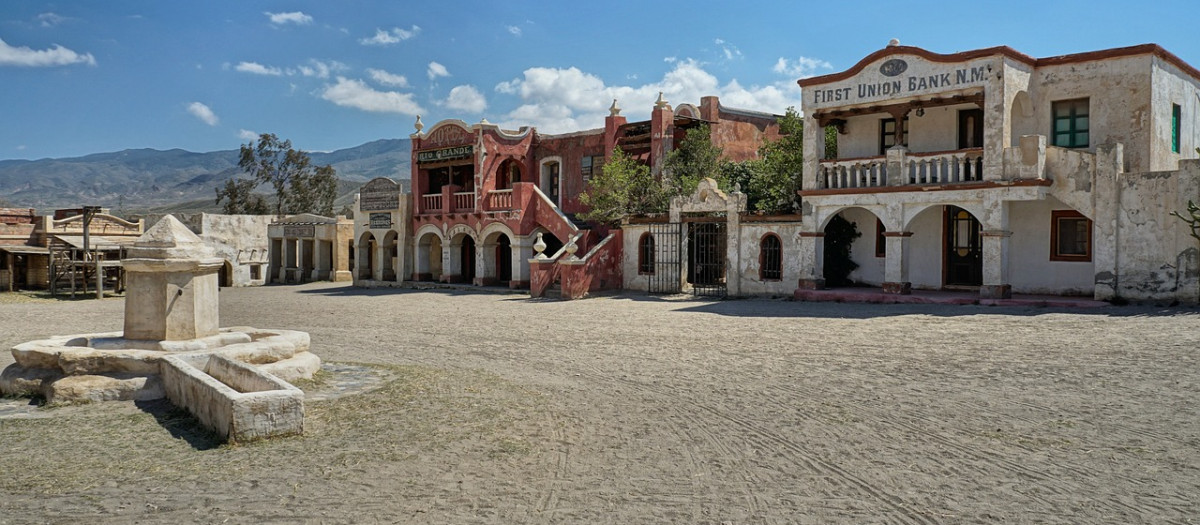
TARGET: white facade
(1009,174)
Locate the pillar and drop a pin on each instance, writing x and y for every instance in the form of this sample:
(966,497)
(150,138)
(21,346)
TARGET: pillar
(995,265)
(522,245)
(812,260)
(895,270)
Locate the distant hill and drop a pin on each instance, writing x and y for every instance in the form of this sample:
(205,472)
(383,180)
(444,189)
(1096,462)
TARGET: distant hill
(173,180)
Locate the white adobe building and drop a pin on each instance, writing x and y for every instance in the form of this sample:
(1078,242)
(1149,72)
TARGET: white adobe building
(1008,173)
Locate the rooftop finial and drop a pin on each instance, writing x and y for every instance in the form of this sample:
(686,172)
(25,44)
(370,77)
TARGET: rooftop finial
(893,42)
(419,125)
(661,103)
(614,109)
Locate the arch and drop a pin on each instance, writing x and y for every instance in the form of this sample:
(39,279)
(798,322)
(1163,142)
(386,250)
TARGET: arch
(507,173)
(225,274)
(770,257)
(911,214)
(550,179)
(890,221)
(391,255)
(428,254)
(687,110)
(1020,120)
(645,254)
(366,260)
(496,252)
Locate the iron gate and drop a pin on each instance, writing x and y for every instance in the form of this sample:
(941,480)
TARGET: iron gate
(663,254)
(706,251)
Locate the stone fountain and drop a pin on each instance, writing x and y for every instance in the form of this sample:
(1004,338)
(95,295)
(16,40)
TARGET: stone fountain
(235,380)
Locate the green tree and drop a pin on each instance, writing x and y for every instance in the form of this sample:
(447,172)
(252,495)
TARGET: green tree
(776,178)
(693,159)
(623,187)
(239,198)
(299,186)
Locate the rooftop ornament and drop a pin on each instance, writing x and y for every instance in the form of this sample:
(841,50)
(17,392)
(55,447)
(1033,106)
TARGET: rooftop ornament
(614,109)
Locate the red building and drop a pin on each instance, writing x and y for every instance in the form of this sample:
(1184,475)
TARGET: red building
(481,194)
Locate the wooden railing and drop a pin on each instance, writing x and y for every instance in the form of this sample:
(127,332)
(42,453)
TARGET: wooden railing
(431,203)
(464,200)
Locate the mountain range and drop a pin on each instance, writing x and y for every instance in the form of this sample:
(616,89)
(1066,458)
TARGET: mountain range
(138,180)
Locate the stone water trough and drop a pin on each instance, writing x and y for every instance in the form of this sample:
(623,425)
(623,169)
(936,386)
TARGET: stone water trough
(234,380)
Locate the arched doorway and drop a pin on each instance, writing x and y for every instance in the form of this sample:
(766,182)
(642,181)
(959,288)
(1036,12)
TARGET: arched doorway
(503,259)
(366,249)
(225,274)
(964,248)
(391,253)
(428,257)
(467,256)
(550,180)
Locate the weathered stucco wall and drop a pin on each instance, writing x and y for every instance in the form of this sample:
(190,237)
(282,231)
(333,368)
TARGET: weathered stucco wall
(1152,252)
(1029,254)
(870,268)
(751,247)
(1119,95)
(1171,87)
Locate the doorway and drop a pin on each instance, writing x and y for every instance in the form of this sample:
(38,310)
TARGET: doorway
(964,248)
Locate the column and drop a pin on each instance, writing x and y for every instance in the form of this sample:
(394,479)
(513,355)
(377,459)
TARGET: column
(522,246)
(320,272)
(812,260)
(895,270)
(995,265)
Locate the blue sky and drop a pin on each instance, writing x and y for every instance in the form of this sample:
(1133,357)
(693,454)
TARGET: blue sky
(80,77)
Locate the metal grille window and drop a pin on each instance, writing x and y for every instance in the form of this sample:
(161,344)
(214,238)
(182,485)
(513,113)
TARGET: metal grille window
(1071,123)
(1176,112)
(646,254)
(1070,236)
(770,258)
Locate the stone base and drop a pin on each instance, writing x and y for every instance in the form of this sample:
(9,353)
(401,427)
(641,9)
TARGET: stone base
(342,276)
(995,291)
(897,288)
(812,284)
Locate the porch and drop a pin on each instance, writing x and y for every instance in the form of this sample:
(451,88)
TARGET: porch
(954,297)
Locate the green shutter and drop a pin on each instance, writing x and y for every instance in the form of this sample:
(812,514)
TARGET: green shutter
(1175,114)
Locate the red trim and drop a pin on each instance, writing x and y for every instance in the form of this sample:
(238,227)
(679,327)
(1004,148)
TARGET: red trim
(942,187)
(1055,216)
(1120,52)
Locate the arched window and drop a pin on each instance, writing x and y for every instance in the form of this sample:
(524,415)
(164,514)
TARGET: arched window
(646,254)
(770,258)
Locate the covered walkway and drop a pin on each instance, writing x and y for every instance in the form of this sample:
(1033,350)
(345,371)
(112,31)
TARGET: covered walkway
(877,295)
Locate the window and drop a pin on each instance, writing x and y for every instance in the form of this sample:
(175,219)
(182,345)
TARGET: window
(591,165)
(646,254)
(1070,236)
(770,258)
(1070,123)
(887,134)
(256,271)
(880,240)
(1175,113)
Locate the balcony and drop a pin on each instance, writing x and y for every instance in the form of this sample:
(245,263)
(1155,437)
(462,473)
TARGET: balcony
(431,203)
(500,199)
(901,168)
(464,201)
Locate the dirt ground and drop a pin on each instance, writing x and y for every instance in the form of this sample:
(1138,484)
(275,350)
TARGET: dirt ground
(632,409)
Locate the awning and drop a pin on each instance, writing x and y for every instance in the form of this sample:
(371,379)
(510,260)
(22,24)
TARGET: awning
(21,249)
(97,242)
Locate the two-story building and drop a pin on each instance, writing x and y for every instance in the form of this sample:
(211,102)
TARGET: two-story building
(994,171)
(481,195)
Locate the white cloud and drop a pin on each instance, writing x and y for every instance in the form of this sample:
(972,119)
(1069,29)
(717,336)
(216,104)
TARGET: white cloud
(802,67)
(295,17)
(257,69)
(384,37)
(21,147)
(388,79)
(245,134)
(319,69)
(560,100)
(203,112)
(466,98)
(516,31)
(437,70)
(356,94)
(55,56)
(50,19)
(729,51)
